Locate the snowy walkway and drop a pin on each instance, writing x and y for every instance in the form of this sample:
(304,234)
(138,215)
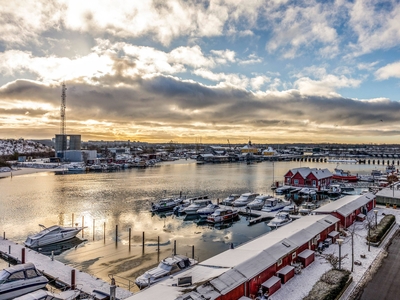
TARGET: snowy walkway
(85,282)
(300,285)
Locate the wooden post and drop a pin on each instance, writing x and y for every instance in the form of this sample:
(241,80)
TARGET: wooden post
(94,228)
(143,242)
(83,224)
(116,234)
(174,247)
(72,219)
(158,248)
(9,249)
(130,232)
(193,251)
(23,256)
(104,232)
(72,279)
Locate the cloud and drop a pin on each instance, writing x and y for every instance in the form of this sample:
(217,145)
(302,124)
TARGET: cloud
(390,70)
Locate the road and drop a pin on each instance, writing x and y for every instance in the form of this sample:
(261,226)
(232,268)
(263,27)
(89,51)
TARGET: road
(385,283)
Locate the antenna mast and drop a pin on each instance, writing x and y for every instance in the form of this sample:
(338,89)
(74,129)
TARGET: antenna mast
(62,114)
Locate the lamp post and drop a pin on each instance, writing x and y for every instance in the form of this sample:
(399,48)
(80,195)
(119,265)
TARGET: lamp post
(376,217)
(340,242)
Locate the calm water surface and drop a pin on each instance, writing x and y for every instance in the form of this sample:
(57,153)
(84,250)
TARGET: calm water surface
(123,199)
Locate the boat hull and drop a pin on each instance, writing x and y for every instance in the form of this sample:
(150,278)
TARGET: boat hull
(32,242)
(345,178)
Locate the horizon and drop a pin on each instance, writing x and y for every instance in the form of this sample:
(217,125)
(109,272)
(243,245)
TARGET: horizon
(278,71)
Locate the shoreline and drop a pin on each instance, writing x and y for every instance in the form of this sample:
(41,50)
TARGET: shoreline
(25,171)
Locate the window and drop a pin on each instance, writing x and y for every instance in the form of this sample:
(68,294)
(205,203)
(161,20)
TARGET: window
(293,255)
(17,276)
(314,183)
(296,182)
(318,237)
(31,273)
(279,262)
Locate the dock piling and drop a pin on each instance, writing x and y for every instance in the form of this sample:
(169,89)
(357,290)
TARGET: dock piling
(174,247)
(130,233)
(72,279)
(104,231)
(158,248)
(9,249)
(143,242)
(72,220)
(23,256)
(94,227)
(116,235)
(83,225)
(193,251)
(52,255)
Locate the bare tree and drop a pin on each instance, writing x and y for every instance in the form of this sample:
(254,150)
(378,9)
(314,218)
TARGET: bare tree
(352,230)
(370,223)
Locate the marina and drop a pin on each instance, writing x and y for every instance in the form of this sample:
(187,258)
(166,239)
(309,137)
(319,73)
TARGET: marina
(122,237)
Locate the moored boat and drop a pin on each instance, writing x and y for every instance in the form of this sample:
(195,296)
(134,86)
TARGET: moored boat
(274,204)
(46,295)
(19,280)
(334,191)
(165,204)
(281,218)
(229,200)
(208,210)
(306,208)
(258,202)
(51,235)
(244,199)
(196,205)
(342,175)
(165,268)
(222,215)
(291,208)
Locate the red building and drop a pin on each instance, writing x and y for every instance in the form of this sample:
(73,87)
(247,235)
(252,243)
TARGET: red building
(349,208)
(306,177)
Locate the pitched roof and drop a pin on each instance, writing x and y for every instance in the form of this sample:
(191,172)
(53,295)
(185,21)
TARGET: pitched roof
(346,205)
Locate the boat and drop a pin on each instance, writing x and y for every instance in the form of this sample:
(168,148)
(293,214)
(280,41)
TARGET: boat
(208,210)
(19,280)
(165,268)
(291,208)
(229,200)
(283,189)
(179,209)
(281,218)
(46,295)
(391,169)
(335,191)
(76,168)
(306,208)
(274,204)
(51,235)
(222,215)
(305,191)
(196,205)
(341,175)
(258,202)
(244,199)
(165,204)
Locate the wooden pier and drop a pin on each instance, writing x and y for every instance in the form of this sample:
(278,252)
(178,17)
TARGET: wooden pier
(62,274)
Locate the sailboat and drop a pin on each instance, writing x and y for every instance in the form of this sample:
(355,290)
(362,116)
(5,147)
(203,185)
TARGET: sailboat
(273,185)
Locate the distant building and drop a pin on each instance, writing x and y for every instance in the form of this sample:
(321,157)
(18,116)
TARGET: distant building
(249,148)
(67,142)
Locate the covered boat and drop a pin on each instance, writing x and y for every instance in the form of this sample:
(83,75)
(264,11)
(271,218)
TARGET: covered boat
(166,267)
(307,207)
(208,210)
(258,202)
(244,199)
(274,204)
(19,280)
(222,215)
(165,204)
(196,205)
(51,235)
(229,200)
(280,219)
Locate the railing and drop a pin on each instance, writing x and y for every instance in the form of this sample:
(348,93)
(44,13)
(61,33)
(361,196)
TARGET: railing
(123,282)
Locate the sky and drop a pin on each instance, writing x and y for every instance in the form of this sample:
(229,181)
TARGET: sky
(274,71)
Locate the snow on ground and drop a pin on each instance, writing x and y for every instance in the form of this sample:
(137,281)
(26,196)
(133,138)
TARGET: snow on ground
(300,285)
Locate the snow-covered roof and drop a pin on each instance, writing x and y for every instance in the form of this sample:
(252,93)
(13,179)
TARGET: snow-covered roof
(228,281)
(346,205)
(318,173)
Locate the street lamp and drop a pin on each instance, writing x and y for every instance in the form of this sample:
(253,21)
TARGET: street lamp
(340,242)
(376,217)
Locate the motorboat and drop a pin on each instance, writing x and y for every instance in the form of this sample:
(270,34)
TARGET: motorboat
(196,205)
(335,191)
(283,189)
(180,209)
(229,200)
(281,218)
(165,204)
(274,204)
(307,207)
(222,215)
(258,202)
(208,210)
(19,280)
(46,295)
(291,208)
(244,199)
(391,169)
(165,268)
(305,191)
(51,235)
(342,175)
(76,168)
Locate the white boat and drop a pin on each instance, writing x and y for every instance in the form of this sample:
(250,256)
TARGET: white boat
(244,199)
(305,191)
(76,168)
(19,280)
(306,208)
(258,202)
(222,215)
(390,169)
(274,204)
(292,208)
(280,219)
(283,189)
(165,204)
(229,200)
(208,210)
(165,268)
(46,295)
(334,191)
(196,205)
(51,235)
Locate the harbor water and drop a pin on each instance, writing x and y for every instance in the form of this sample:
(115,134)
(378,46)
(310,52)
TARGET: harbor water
(111,204)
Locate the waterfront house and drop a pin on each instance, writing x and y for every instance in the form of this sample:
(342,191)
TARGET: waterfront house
(349,208)
(307,177)
(265,262)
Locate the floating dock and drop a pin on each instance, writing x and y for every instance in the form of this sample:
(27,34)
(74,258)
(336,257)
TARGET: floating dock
(59,272)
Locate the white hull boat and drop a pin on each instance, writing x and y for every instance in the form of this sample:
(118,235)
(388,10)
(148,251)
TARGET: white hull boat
(195,206)
(274,204)
(165,268)
(19,280)
(258,202)
(208,210)
(280,219)
(46,295)
(51,235)
(306,208)
(165,204)
(244,199)
(222,215)
(230,199)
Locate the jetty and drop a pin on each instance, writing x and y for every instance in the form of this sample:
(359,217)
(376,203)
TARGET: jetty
(60,273)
